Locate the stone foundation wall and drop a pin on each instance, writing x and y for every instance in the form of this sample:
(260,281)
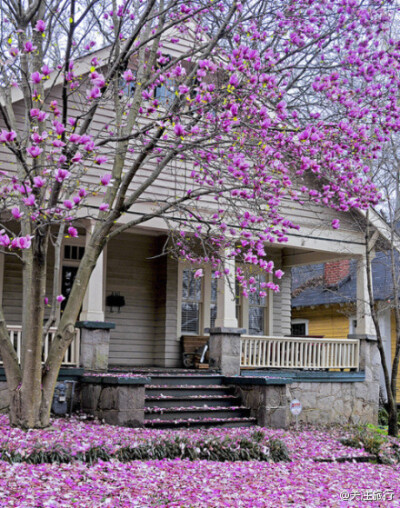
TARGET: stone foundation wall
(342,403)
(4,397)
(113,403)
(325,403)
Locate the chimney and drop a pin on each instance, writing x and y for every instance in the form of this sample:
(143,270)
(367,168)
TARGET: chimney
(336,271)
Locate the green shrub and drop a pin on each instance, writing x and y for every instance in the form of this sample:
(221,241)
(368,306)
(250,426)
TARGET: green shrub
(383,416)
(279,451)
(213,449)
(363,437)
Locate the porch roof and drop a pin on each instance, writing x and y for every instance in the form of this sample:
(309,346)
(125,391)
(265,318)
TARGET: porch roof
(308,287)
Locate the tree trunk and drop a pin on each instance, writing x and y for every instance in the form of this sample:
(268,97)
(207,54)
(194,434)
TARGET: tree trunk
(393,427)
(33,385)
(26,399)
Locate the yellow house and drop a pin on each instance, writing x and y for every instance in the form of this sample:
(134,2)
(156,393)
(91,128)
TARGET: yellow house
(324,299)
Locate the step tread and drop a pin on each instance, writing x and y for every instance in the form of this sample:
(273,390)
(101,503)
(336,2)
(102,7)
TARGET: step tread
(199,421)
(187,387)
(197,409)
(191,397)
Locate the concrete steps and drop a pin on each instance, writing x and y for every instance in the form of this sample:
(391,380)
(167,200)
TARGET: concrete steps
(193,400)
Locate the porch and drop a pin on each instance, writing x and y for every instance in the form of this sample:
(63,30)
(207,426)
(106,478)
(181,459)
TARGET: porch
(160,301)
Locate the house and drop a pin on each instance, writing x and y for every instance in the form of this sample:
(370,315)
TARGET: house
(324,301)
(139,304)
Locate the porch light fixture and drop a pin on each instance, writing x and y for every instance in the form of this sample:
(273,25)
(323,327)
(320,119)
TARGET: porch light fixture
(115,300)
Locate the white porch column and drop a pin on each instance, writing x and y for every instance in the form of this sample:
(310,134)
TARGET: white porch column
(365,325)
(93,303)
(226,301)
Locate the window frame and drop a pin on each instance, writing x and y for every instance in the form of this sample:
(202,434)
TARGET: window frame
(352,326)
(300,321)
(205,307)
(182,268)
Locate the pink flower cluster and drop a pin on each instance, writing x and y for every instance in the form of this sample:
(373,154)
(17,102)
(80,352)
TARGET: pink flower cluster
(200,484)
(181,483)
(78,435)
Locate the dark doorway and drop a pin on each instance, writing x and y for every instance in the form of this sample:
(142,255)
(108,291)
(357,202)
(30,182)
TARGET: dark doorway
(68,277)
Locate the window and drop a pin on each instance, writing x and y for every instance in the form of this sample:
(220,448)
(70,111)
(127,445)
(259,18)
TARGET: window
(191,302)
(166,92)
(257,306)
(198,303)
(73,252)
(127,87)
(352,325)
(299,327)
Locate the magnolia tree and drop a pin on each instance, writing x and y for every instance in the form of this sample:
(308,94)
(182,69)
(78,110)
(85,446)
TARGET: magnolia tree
(387,170)
(241,106)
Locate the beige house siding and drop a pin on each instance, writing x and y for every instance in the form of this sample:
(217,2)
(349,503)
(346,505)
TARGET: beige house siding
(12,287)
(167,351)
(132,272)
(12,290)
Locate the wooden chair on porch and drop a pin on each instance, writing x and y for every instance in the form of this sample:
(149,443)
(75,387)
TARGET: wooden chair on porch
(192,351)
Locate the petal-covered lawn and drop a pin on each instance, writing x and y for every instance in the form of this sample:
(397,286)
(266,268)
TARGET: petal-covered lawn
(77,436)
(303,482)
(185,484)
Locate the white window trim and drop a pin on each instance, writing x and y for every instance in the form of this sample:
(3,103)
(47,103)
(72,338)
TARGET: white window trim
(352,329)
(75,242)
(204,314)
(299,321)
(204,318)
(243,317)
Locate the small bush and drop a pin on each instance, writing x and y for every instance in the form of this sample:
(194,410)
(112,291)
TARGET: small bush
(362,437)
(279,451)
(383,416)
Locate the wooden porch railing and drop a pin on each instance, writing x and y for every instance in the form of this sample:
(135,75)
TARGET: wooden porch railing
(299,353)
(71,357)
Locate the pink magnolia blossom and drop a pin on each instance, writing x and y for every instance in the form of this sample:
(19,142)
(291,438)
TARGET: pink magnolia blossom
(46,70)
(77,157)
(29,47)
(40,26)
(104,206)
(198,273)
(34,151)
(97,79)
(30,200)
(105,179)
(4,239)
(60,298)
(14,51)
(61,174)
(7,136)
(179,130)
(128,76)
(16,212)
(36,77)
(73,232)
(93,93)
(68,204)
(100,159)
(39,181)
